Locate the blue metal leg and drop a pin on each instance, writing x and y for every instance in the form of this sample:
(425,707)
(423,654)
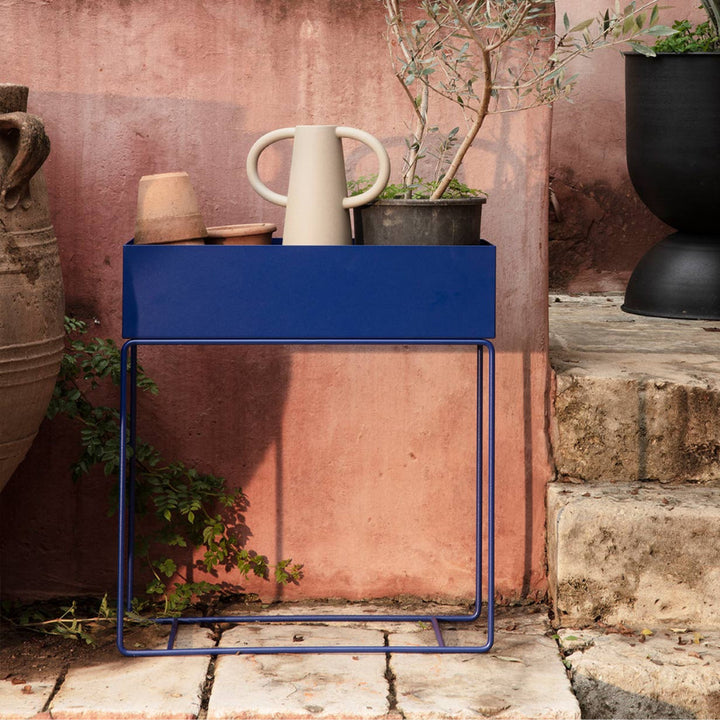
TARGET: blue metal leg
(122,499)
(490,349)
(485,436)
(132,470)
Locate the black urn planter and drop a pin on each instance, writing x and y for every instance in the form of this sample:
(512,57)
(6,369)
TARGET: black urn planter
(419,222)
(673,157)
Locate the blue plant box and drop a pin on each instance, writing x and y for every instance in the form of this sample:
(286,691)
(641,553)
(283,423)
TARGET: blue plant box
(309,293)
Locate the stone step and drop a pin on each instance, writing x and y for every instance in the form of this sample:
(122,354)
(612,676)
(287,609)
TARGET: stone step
(661,673)
(637,554)
(636,398)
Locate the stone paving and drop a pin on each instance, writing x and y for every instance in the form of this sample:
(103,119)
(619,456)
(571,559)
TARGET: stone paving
(531,672)
(521,677)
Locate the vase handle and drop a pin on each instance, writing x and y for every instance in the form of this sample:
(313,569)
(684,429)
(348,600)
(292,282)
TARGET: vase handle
(33,147)
(383,165)
(252,165)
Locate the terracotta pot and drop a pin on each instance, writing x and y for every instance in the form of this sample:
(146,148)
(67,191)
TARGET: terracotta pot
(255,234)
(168,211)
(31,290)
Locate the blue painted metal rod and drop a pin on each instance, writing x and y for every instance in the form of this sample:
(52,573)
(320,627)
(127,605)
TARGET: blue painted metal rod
(132,467)
(126,510)
(438,632)
(320,649)
(122,502)
(173,634)
(491,492)
(311,619)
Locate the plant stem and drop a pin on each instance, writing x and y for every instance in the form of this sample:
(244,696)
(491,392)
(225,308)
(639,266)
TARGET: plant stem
(58,620)
(418,139)
(399,30)
(712,7)
(482,110)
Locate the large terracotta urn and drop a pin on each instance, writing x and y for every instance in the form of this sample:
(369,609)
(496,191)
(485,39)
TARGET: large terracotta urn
(31,289)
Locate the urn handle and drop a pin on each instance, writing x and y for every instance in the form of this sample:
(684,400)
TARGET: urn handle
(33,147)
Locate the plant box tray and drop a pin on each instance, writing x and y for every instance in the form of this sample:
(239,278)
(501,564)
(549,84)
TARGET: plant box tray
(278,293)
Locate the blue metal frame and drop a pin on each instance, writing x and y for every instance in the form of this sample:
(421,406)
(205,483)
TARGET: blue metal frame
(442,319)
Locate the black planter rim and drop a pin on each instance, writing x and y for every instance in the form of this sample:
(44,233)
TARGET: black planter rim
(442,202)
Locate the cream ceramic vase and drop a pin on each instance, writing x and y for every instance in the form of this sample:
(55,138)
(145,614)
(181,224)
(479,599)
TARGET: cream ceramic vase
(317,203)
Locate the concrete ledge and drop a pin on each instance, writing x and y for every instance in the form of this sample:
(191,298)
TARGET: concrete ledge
(640,554)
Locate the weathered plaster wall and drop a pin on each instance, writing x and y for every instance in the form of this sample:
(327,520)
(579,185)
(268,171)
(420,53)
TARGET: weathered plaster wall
(603,228)
(357,462)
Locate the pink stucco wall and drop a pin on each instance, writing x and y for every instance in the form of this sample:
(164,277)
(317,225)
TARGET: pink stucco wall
(603,228)
(357,462)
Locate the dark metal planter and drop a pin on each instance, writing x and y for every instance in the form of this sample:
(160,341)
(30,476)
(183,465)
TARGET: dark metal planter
(419,222)
(673,156)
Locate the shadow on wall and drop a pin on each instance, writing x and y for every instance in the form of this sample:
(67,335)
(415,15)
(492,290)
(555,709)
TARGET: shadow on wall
(521,344)
(598,232)
(221,409)
(513,333)
(62,542)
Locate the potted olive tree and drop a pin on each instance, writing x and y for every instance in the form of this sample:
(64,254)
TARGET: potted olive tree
(484,57)
(673,154)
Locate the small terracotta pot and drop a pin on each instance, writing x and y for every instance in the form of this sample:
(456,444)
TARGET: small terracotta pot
(168,211)
(254,234)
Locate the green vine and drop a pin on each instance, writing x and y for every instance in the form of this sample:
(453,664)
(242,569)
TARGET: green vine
(186,508)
